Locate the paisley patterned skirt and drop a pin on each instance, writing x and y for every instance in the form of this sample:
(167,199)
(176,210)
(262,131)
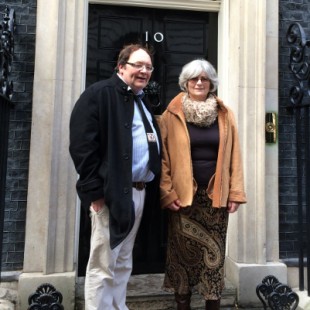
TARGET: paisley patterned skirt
(196,248)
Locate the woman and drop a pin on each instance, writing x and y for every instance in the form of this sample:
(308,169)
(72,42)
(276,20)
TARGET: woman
(201,183)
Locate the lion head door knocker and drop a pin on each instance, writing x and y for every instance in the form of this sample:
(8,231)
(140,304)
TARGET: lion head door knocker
(152,91)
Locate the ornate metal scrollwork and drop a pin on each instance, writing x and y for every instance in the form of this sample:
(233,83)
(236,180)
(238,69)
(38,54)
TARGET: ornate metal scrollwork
(6,52)
(46,297)
(264,289)
(299,64)
(283,298)
(276,295)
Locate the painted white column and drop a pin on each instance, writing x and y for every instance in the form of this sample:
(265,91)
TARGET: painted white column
(250,87)
(51,207)
(271,151)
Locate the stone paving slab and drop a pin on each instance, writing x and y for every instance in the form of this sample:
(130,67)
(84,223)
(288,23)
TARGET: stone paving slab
(6,305)
(145,292)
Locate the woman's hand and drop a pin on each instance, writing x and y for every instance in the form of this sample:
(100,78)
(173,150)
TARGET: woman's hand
(98,204)
(232,206)
(174,206)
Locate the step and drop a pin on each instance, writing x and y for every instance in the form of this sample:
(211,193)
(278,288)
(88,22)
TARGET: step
(144,293)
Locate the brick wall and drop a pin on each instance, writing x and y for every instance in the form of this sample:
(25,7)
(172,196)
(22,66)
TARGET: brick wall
(19,133)
(290,12)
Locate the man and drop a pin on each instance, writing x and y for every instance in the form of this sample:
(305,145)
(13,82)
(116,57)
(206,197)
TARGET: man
(111,143)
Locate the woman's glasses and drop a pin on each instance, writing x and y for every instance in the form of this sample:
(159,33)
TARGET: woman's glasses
(140,66)
(202,79)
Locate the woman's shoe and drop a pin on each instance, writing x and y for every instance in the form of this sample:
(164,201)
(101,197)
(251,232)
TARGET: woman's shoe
(213,304)
(183,301)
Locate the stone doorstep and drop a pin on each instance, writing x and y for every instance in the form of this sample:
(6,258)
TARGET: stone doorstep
(6,305)
(144,292)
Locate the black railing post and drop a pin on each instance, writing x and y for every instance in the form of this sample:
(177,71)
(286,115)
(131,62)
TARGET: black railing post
(7,28)
(300,67)
(298,120)
(308,204)
(5,107)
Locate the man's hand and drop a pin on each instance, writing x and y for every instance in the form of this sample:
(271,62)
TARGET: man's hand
(98,204)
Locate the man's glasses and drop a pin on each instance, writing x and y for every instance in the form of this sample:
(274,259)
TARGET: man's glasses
(140,66)
(202,79)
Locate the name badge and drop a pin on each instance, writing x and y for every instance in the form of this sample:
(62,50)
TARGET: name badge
(151,137)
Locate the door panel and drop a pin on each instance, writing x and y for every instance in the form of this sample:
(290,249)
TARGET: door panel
(176,37)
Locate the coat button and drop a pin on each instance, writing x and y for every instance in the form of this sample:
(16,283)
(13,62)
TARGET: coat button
(126,156)
(126,125)
(126,190)
(126,98)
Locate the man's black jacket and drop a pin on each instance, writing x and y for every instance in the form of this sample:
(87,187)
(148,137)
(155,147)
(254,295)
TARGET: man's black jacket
(101,149)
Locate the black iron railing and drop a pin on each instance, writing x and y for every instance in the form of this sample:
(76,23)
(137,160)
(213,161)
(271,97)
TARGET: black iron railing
(300,103)
(7,28)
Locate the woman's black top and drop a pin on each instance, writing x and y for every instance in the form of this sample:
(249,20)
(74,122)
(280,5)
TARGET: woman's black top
(204,150)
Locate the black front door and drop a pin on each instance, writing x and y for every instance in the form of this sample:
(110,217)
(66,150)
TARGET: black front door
(177,37)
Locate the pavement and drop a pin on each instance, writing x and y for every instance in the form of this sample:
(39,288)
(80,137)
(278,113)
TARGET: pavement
(304,300)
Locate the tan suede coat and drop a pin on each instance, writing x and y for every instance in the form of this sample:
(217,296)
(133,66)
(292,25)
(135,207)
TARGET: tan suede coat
(177,180)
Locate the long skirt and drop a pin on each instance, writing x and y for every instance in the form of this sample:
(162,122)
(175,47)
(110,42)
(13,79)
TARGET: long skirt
(196,248)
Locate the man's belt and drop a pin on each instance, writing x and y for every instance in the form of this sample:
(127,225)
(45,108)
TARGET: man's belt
(139,186)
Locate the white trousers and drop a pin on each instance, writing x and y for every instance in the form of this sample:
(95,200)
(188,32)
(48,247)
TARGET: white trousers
(108,271)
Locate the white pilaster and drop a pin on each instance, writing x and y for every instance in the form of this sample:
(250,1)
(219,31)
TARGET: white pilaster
(50,226)
(251,86)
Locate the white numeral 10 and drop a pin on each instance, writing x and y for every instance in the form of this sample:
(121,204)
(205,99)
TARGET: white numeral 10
(158,36)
